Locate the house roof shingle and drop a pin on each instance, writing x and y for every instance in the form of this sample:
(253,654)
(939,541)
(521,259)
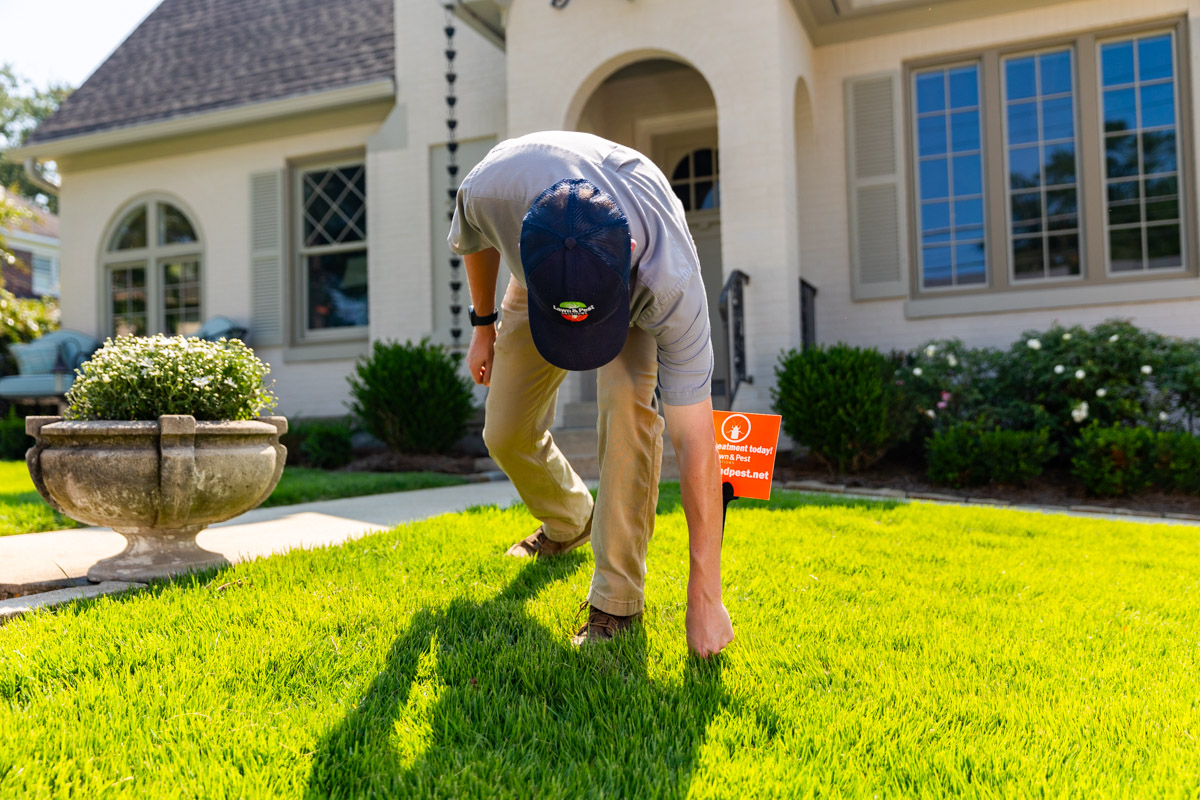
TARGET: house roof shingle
(193,56)
(34,220)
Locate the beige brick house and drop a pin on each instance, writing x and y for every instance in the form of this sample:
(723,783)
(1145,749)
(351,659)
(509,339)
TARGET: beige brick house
(963,168)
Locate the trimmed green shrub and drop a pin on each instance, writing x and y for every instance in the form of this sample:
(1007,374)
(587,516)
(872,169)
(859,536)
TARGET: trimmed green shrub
(143,378)
(325,444)
(1176,463)
(411,396)
(969,454)
(1114,461)
(13,441)
(841,402)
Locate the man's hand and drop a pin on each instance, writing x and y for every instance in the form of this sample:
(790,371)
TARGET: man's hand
(480,352)
(708,625)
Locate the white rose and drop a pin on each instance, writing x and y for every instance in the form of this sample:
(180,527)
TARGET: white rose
(1101,392)
(930,413)
(1162,416)
(1034,344)
(1066,337)
(1079,374)
(930,350)
(1146,369)
(917,371)
(1059,369)
(1113,338)
(951,360)
(1079,413)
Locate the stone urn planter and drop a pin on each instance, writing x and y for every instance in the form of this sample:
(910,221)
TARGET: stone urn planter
(158,483)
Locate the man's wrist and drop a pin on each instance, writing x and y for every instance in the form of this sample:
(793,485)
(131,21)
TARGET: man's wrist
(479,320)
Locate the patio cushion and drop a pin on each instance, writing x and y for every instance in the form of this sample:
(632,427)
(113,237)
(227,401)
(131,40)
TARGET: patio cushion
(22,386)
(34,358)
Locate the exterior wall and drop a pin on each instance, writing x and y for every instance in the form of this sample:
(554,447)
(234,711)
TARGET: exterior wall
(821,155)
(403,308)
(748,53)
(212,184)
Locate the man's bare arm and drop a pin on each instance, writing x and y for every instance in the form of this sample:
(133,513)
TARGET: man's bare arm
(482,270)
(691,429)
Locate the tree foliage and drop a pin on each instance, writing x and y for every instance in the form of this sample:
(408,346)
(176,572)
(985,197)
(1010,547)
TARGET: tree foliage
(22,108)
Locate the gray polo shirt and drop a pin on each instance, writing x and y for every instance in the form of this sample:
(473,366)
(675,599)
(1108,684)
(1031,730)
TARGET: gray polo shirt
(668,298)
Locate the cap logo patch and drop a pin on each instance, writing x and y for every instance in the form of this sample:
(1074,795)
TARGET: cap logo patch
(573,311)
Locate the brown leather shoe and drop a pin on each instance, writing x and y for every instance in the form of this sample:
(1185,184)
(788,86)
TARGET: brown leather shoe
(539,545)
(600,626)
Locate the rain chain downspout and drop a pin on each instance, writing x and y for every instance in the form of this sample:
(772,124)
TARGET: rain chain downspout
(456,283)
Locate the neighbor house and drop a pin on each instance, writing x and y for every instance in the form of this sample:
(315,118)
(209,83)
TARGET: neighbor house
(32,240)
(900,170)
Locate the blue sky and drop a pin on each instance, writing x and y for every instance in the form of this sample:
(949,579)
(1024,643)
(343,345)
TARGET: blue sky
(65,40)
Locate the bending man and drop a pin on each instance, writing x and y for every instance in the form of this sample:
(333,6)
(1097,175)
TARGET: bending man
(606,278)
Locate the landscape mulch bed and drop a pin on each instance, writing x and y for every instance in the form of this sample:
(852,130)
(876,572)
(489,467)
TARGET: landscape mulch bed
(399,462)
(1055,488)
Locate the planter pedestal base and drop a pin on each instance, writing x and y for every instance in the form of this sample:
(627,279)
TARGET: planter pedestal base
(156,554)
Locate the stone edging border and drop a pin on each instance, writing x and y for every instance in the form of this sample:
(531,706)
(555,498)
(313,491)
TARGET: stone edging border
(981,500)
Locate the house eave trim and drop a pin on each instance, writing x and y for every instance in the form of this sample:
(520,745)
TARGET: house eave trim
(214,120)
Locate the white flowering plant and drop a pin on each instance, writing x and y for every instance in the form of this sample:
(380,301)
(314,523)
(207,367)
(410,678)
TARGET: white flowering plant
(142,378)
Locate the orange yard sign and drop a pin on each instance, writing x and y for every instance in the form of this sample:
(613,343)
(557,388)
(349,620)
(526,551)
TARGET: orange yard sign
(746,444)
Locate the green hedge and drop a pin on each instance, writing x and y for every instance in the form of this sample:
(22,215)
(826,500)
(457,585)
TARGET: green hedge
(843,403)
(969,454)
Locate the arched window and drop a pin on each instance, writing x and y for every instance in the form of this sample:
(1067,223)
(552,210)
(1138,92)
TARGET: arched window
(153,271)
(696,180)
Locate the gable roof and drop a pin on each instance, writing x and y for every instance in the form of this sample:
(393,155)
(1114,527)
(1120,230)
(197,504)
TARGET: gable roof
(194,56)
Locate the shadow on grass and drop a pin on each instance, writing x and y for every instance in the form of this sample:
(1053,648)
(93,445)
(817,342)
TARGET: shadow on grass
(478,699)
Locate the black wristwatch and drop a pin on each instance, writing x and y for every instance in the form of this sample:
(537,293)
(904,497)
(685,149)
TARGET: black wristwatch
(477,320)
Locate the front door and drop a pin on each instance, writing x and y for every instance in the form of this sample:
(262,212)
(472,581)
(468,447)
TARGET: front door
(691,161)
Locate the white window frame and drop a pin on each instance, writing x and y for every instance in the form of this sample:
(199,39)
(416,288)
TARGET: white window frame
(152,258)
(914,119)
(50,270)
(304,334)
(1181,178)
(1080,213)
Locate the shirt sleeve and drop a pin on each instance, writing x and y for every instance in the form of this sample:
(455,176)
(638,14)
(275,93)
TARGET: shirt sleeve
(465,237)
(679,323)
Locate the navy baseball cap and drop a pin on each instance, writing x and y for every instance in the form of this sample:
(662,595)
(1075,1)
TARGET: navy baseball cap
(575,248)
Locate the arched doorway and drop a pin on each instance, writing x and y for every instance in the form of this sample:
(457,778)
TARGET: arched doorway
(666,109)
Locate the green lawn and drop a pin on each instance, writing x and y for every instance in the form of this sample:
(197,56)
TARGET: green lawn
(883,650)
(22,510)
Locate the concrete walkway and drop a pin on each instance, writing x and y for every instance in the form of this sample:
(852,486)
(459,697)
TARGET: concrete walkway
(59,560)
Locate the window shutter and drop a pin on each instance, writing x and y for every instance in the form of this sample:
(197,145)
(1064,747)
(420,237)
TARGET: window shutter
(266,258)
(878,239)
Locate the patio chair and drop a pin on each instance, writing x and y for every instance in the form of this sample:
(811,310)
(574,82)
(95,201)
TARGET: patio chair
(46,366)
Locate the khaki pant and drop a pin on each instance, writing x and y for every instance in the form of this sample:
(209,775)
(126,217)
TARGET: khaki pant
(520,410)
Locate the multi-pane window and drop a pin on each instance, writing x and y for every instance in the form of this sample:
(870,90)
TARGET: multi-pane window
(153,276)
(1039,114)
(45,276)
(1074,150)
(1141,158)
(127,301)
(696,180)
(949,173)
(333,246)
